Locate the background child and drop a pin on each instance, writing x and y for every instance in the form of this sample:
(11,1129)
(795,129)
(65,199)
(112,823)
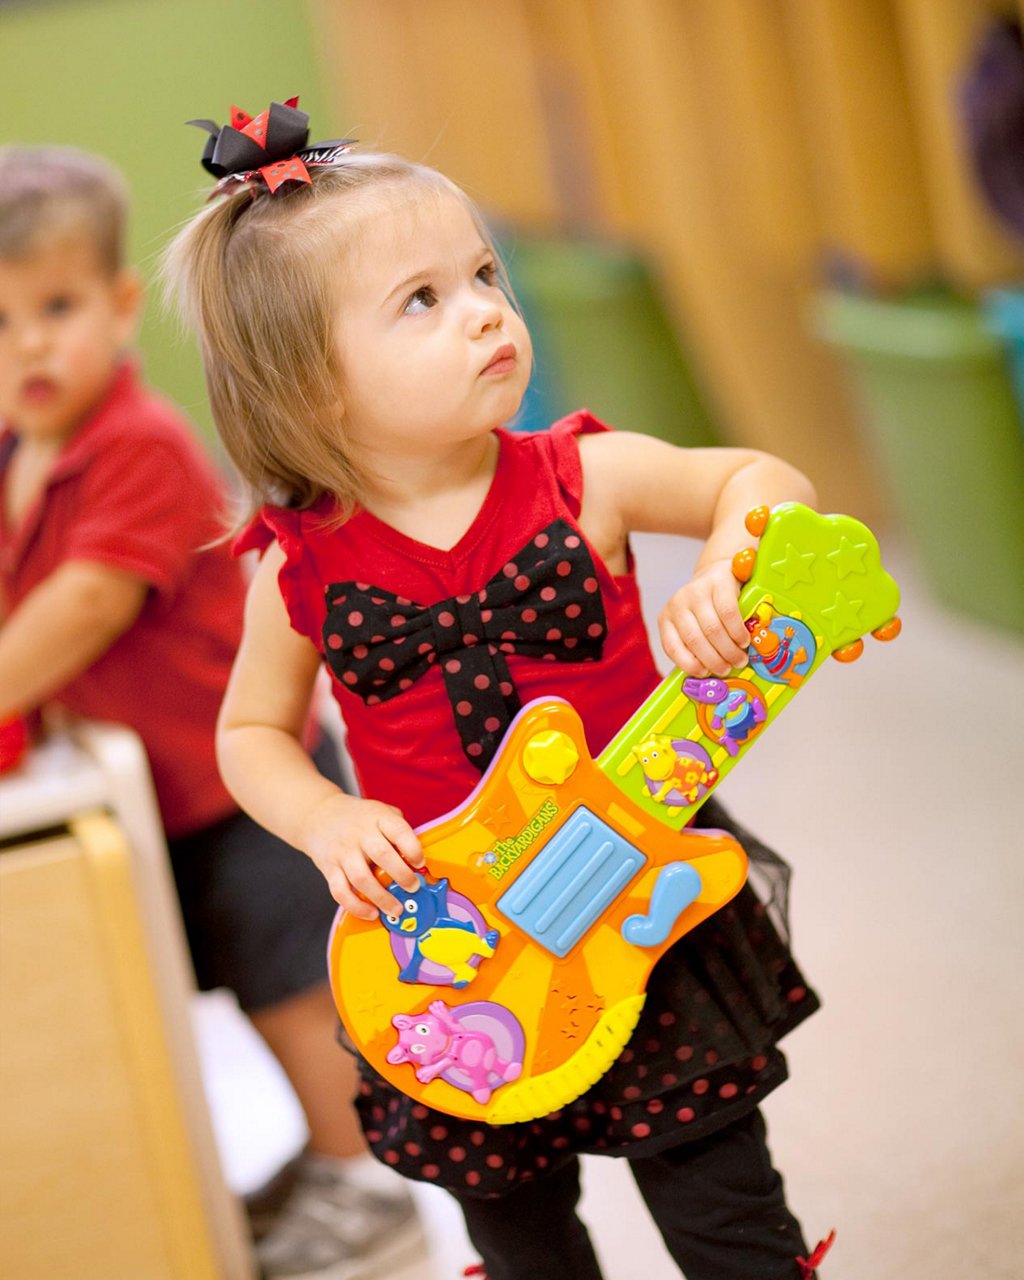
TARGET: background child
(116,608)
(362,354)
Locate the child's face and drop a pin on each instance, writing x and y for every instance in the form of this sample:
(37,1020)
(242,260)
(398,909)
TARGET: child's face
(432,352)
(64,322)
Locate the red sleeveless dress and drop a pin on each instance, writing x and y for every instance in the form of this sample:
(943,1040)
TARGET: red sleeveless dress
(431,653)
(426,703)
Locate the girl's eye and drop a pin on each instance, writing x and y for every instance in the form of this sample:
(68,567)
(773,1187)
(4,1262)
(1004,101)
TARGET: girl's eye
(488,274)
(421,301)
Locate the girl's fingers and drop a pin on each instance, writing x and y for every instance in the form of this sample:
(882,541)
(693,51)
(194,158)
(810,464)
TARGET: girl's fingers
(717,631)
(722,653)
(679,653)
(698,653)
(378,837)
(675,650)
(380,850)
(726,603)
(702,628)
(346,897)
(395,828)
(361,878)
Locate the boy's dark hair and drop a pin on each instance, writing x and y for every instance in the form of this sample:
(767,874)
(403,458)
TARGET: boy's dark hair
(46,192)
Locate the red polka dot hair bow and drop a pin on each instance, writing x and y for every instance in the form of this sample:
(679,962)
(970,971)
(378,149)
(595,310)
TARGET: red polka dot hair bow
(270,148)
(544,604)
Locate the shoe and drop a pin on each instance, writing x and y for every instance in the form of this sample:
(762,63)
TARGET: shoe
(329,1228)
(263,1205)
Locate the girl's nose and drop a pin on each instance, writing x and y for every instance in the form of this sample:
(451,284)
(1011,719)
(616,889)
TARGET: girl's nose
(485,314)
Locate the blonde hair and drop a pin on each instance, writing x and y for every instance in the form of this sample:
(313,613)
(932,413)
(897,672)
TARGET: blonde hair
(255,276)
(51,192)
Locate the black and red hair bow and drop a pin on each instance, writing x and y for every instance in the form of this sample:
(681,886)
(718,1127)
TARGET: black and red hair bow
(270,147)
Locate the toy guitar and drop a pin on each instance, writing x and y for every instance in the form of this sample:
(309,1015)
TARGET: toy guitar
(515,974)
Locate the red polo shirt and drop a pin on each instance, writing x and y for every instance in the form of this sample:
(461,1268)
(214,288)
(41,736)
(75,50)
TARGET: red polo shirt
(133,489)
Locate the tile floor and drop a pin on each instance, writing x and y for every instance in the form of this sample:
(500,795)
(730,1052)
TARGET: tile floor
(895,788)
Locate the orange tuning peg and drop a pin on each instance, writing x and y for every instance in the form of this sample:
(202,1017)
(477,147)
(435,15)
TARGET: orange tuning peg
(757,518)
(743,564)
(849,652)
(889,630)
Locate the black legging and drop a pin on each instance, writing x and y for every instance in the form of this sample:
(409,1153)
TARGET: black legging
(718,1203)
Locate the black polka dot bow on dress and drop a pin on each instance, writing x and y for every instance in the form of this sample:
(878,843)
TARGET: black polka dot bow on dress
(544,604)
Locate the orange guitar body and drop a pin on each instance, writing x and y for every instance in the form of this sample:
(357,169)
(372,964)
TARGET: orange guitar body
(576,1010)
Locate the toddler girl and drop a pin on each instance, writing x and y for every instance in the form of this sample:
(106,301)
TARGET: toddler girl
(363,355)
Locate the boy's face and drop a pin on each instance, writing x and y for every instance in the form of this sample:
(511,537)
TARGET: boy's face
(64,322)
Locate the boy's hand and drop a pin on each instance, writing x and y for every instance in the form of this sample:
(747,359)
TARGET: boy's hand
(347,837)
(701,628)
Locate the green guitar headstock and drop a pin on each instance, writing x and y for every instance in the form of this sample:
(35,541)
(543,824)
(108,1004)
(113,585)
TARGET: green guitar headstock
(815,586)
(827,568)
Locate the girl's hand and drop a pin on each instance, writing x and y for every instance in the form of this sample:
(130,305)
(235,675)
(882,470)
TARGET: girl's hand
(347,837)
(701,628)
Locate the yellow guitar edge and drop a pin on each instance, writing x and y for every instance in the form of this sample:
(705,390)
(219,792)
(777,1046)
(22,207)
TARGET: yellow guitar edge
(528,1099)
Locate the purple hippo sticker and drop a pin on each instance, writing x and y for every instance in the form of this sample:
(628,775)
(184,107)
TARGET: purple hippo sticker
(476,1047)
(735,709)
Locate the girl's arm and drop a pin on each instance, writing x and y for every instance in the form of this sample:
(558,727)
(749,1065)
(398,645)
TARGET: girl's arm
(637,483)
(269,773)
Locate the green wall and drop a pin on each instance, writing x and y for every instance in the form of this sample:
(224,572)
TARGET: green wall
(120,77)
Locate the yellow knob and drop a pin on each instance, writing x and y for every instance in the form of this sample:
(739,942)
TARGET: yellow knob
(550,757)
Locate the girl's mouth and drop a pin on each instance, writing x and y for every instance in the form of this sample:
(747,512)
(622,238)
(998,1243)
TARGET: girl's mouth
(503,360)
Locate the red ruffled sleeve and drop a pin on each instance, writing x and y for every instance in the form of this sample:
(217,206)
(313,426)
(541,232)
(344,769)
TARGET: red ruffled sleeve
(256,536)
(564,451)
(296,578)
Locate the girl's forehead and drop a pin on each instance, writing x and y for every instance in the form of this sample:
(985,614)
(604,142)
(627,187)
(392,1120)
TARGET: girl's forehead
(420,230)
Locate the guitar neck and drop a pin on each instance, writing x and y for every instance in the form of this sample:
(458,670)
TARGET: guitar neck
(814,587)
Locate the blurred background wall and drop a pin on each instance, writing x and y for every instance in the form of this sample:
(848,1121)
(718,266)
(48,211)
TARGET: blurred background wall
(121,77)
(793,224)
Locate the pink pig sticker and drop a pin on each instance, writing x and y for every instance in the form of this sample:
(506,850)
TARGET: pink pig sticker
(476,1047)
